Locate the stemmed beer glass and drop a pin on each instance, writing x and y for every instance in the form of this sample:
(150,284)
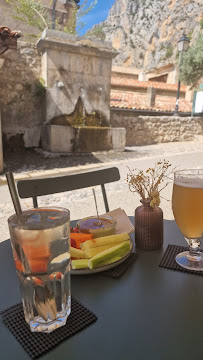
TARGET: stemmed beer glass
(187,205)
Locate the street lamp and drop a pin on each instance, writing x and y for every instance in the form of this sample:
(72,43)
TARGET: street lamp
(182,45)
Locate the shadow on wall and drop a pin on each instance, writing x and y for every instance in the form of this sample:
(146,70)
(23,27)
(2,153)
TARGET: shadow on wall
(22,98)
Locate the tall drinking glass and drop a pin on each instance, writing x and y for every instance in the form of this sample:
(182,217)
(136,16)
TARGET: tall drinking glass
(187,205)
(40,244)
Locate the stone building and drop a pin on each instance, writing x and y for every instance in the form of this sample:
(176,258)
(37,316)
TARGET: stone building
(23,95)
(63,78)
(146,108)
(76,82)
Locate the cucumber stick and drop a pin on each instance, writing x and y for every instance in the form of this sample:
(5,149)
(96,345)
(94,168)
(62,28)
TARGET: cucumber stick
(83,263)
(112,260)
(96,250)
(105,240)
(79,264)
(108,255)
(76,253)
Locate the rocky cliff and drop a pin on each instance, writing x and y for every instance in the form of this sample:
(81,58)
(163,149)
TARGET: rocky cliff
(145,32)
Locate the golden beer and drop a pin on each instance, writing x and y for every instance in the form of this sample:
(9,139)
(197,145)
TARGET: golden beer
(187,205)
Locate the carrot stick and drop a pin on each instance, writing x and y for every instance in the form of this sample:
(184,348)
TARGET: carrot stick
(78,242)
(81,236)
(38,266)
(19,266)
(38,281)
(38,257)
(36,252)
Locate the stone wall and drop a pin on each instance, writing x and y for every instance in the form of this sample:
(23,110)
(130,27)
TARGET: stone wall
(146,130)
(21,97)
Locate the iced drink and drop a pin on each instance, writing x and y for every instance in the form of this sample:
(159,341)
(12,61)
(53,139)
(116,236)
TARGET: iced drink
(40,244)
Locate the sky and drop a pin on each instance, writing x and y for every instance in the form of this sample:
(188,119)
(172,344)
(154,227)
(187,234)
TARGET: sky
(96,15)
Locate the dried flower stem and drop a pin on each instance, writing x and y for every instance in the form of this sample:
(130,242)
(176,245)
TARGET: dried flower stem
(147,184)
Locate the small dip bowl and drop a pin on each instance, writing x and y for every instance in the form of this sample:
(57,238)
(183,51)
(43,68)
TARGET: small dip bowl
(102,226)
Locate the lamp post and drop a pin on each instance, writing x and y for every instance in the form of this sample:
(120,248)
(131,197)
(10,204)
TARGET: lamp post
(183,44)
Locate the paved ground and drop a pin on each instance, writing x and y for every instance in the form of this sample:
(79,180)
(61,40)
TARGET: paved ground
(81,202)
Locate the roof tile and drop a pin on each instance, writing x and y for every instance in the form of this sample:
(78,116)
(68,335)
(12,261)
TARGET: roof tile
(129,100)
(125,82)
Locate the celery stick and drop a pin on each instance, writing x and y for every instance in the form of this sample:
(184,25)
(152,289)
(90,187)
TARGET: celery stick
(108,255)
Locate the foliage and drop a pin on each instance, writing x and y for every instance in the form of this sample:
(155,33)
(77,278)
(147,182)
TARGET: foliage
(147,184)
(75,24)
(30,12)
(169,52)
(190,34)
(177,57)
(192,62)
(97,32)
(40,88)
(34,14)
(201,24)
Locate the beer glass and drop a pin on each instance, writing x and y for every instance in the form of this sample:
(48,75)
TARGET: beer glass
(40,244)
(187,205)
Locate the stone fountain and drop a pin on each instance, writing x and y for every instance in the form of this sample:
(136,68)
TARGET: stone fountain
(77,75)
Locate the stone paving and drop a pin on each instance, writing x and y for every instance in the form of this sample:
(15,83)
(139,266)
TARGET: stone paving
(40,163)
(81,202)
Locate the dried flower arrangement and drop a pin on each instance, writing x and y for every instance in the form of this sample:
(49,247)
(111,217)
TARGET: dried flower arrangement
(147,184)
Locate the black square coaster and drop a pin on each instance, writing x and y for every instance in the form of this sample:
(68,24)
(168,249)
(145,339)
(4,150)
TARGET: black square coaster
(168,261)
(119,270)
(37,344)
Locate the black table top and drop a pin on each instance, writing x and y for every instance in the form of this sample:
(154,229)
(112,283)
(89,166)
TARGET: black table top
(149,313)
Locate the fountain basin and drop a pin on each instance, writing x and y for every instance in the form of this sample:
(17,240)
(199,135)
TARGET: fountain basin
(82,139)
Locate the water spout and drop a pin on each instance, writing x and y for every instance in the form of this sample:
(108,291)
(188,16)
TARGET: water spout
(100,90)
(83,115)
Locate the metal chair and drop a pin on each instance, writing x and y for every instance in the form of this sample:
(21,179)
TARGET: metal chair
(45,186)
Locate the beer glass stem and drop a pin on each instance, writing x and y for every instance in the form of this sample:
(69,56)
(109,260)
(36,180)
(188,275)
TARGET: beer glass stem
(195,253)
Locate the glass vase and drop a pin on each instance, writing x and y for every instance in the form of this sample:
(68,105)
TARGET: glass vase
(148,226)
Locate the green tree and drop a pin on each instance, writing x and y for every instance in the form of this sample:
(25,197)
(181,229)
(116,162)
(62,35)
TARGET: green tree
(169,52)
(28,11)
(192,63)
(97,32)
(33,13)
(75,23)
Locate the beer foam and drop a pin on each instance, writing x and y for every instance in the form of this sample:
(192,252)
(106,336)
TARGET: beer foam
(193,182)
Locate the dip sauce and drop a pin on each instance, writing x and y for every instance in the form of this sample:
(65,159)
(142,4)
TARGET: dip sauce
(101,226)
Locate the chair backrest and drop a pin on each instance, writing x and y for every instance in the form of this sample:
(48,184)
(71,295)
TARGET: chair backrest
(45,186)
